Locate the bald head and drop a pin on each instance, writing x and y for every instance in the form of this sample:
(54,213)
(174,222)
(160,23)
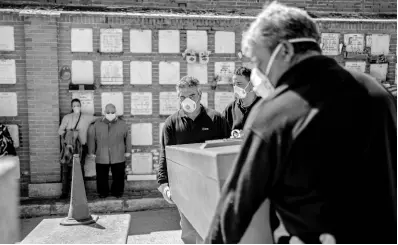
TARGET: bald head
(110,108)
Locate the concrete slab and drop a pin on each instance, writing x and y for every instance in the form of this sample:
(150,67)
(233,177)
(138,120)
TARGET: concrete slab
(109,229)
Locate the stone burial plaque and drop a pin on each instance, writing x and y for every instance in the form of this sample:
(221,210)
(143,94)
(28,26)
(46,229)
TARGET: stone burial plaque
(140,41)
(169,41)
(380,44)
(7,72)
(168,103)
(354,42)
(225,42)
(356,65)
(224,70)
(111,40)
(169,72)
(82,72)
(198,71)
(204,99)
(82,40)
(141,103)
(222,99)
(87,100)
(379,71)
(197,40)
(14,132)
(112,72)
(11,108)
(330,43)
(141,163)
(116,98)
(7,38)
(140,72)
(141,134)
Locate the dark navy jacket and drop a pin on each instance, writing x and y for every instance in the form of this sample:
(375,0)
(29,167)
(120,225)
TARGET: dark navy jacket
(236,115)
(323,149)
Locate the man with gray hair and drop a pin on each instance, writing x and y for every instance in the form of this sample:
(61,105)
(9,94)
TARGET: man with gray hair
(109,142)
(321,145)
(193,123)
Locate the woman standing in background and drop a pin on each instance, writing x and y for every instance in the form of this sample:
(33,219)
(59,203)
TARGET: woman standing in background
(79,121)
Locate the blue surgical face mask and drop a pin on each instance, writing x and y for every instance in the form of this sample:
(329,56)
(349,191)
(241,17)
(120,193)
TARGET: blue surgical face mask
(261,83)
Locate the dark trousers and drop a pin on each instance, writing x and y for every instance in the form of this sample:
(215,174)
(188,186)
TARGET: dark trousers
(67,172)
(118,173)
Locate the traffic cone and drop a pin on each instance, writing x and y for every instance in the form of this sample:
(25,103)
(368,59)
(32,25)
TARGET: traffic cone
(78,208)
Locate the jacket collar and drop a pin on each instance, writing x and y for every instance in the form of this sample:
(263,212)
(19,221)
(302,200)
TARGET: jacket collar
(304,71)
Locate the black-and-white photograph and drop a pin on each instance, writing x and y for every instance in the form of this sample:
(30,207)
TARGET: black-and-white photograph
(198,122)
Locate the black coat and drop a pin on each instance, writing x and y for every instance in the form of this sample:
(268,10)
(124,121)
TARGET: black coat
(323,149)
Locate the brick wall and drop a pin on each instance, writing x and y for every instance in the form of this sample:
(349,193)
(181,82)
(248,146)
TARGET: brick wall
(43,46)
(363,6)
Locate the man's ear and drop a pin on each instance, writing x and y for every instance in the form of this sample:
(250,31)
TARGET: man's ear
(287,51)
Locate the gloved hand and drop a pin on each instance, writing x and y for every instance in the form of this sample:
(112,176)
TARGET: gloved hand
(165,190)
(325,238)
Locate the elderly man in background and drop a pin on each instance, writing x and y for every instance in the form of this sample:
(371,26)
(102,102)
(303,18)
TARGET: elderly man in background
(193,123)
(109,142)
(322,146)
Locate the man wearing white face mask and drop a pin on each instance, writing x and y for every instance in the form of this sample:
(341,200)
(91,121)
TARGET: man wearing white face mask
(238,110)
(193,123)
(321,147)
(109,142)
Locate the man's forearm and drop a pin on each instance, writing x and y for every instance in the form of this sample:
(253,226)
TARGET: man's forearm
(162,172)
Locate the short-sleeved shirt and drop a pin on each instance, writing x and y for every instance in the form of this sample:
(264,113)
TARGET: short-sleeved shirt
(180,129)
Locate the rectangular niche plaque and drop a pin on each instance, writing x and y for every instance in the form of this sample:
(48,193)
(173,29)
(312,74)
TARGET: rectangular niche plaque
(7,72)
(141,134)
(9,99)
(140,41)
(112,72)
(111,40)
(140,72)
(168,103)
(82,40)
(7,38)
(141,103)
